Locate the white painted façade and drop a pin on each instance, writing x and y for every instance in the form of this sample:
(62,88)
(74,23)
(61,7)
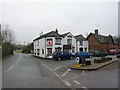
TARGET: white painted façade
(47,44)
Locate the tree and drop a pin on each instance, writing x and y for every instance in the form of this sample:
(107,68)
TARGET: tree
(8,38)
(7,34)
(28,48)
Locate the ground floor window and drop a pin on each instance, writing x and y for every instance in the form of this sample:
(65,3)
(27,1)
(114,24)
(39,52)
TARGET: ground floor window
(67,50)
(38,51)
(73,50)
(42,51)
(49,50)
(85,49)
(57,49)
(81,49)
(35,51)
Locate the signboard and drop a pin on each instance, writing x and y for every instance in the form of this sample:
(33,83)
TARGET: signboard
(67,46)
(49,42)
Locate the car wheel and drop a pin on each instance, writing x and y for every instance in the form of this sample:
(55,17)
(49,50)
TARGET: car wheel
(59,59)
(71,57)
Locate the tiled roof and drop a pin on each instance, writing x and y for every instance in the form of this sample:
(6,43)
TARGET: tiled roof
(117,40)
(50,34)
(80,37)
(101,38)
(65,34)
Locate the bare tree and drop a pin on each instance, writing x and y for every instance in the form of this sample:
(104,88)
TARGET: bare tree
(7,34)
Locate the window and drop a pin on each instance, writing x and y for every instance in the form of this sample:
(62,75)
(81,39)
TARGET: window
(58,41)
(35,51)
(81,49)
(37,43)
(73,50)
(49,50)
(81,43)
(85,49)
(38,51)
(69,41)
(57,49)
(42,51)
(49,42)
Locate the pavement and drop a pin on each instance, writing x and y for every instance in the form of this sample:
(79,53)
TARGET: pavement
(93,66)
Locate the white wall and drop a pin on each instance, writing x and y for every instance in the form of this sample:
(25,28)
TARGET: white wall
(40,47)
(85,45)
(64,41)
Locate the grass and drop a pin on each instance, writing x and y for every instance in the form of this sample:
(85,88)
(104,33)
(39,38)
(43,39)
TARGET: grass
(18,51)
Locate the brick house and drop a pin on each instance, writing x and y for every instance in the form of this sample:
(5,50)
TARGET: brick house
(99,42)
(117,41)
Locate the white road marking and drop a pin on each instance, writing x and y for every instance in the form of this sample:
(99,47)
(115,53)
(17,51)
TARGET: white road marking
(13,65)
(84,88)
(10,68)
(66,72)
(57,68)
(76,82)
(65,82)
(83,72)
(46,66)
(18,59)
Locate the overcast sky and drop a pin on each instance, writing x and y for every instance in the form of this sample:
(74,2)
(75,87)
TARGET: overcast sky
(28,19)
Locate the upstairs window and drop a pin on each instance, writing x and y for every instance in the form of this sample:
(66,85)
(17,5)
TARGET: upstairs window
(58,41)
(49,42)
(37,43)
(81,43)
(69,41)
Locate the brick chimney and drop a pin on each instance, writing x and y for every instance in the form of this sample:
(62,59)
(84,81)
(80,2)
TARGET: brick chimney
(96,32)
(56,31)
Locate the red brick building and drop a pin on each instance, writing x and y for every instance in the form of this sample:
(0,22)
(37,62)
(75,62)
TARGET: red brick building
(99,42)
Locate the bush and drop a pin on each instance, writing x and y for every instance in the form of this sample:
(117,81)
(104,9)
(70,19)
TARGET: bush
(7,49)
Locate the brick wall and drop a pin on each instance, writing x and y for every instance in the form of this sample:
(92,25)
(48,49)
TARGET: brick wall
(95,45)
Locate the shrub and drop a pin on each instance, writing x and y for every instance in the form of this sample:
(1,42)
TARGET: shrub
(7,49)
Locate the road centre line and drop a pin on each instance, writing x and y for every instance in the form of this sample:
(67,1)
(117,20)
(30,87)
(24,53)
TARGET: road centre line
(65,82)
(18,59)
(13,65)
(10,68)
(66,72)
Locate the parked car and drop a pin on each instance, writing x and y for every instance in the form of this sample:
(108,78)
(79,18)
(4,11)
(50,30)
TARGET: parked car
(113,52)
(63,55)
(100,53)
(118,51)
(86,54)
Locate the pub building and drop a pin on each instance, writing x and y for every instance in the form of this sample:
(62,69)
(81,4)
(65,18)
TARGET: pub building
(45,45)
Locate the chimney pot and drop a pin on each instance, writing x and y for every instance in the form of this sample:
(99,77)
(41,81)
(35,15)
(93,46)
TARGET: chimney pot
(56,31)
(96,31)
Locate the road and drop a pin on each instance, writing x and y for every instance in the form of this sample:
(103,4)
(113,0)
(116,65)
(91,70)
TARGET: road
(26,71)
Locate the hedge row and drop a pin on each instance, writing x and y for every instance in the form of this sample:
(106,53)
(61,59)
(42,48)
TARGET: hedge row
(7,49)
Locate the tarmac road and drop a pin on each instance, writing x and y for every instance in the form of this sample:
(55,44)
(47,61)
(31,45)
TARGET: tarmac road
(26,71)
(23,71)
